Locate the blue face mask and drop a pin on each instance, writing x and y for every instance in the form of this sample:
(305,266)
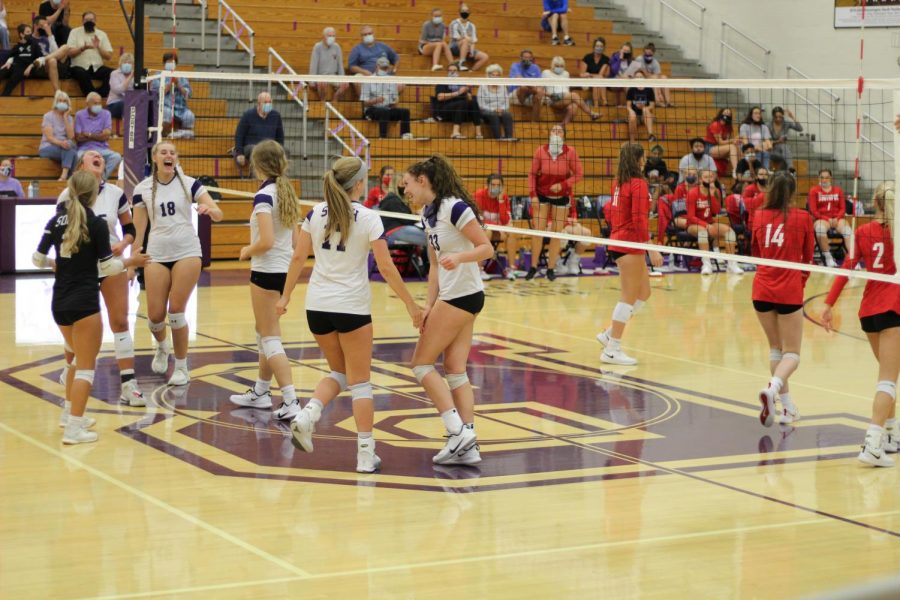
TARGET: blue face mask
(382,72)
(691,179)
(62,106)
(95,109)
(126,68)
(170,66)
(266,107)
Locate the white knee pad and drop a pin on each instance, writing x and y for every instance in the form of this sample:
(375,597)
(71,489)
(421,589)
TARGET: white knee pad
(177,320)
(361,391)
(68,348)
(792,356)
(730,238)
(271,346)
(85,374)
(123,345)
(340,378)
(887,387)
(421,371)
(456,380)
(775,355)
(820,227)
(157,327)
(702,236)
(622,312)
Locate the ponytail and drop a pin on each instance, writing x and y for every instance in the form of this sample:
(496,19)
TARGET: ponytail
(82,188)
(884,202)
(339,180)
(269,160)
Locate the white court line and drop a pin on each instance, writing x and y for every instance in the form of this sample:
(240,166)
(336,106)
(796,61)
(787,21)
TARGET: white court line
(675,358)
(300,573)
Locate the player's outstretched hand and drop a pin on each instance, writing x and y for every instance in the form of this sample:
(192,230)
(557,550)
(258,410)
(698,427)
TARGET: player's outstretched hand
(828,319)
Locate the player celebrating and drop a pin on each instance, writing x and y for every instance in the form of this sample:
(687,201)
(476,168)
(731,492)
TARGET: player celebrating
(781,232)
(340,232)
(457,243)
(164,201)
(879,316)
(81,242)
(273,227)
(628,215)
(828,206)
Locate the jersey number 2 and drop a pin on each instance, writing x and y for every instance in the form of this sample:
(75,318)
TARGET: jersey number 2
(167,208)
(776,238)
(878,249)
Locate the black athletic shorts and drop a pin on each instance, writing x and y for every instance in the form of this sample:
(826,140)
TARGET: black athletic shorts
(323,323)
(564,201)
(268,281)
(473,303)
(781,309)
(169,265)
(67,318)
(880,322)
(614,256)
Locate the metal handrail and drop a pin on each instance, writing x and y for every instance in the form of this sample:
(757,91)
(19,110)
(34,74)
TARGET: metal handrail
(699,26)
(237,29)
(873,120)
(814,105)
(805,76)
(725,45)
(293,91)
(361,142)
(203,10)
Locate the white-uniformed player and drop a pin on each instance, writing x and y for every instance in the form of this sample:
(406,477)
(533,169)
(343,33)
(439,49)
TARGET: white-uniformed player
(112,206)
(165,200)
(456,244)
(340,232)
(274,224)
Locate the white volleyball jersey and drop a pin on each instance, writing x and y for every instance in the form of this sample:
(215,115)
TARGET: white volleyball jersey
(278,258)
(445,235)
(172,234)
(340,277)
(111,202)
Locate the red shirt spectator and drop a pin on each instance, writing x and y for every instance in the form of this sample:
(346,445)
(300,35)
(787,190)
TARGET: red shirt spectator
(750,191)
(719,128)
(628,214)
(547,171)
(494,211)
(376,195)
(875,248)
(702,209)
(827,205)
(779,239)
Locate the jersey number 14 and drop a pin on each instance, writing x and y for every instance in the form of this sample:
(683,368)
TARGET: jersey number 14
(775,238)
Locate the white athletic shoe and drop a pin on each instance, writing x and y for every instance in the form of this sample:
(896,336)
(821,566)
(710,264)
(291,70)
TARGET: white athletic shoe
(733,268)
(160,362)
(249,398)
(131,394)
(873,453)
(573,264)
(180,376)
(75,432)
(767,400)
(302,428)
(457,445)
(706,269)
(617,357)
(509,274)
(892,439)
(470,457)
(287,411)
(88,421)
(366,459)
(787,417)
(829,261)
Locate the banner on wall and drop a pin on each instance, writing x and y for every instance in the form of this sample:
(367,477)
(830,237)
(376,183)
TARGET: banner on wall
(879,13)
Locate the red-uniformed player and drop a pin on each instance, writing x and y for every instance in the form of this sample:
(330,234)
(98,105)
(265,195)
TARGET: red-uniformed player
(703,204)
(828,207)
(494,205)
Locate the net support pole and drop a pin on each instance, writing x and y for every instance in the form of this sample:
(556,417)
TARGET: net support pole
(138,40)
(895,226)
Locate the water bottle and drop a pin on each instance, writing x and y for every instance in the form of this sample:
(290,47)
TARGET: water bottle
(30,192)
(37,188)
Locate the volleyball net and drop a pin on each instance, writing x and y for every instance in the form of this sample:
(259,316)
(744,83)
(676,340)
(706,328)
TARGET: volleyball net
(835,137)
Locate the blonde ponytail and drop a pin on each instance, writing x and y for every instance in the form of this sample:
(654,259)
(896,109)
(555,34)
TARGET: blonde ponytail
(269,160)
(345,173)
(82,188)
(884,202)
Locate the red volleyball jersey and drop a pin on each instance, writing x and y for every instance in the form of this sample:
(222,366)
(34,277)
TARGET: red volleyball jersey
(628,214)
(702,210)
(827,205)
(752,204)
(779,239)
(875,248)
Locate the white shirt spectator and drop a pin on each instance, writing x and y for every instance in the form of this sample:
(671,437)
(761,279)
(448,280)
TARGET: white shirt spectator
(460,29)
(755,134)
(78,37)
(639,64)
(492,98)
(326,60)
(555,89)
(388,91)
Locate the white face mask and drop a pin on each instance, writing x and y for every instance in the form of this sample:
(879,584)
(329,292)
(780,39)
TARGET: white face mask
(556,144)
(330,40)
(169,66)
(369,38)
(558,70)
(5,171)
(437,20)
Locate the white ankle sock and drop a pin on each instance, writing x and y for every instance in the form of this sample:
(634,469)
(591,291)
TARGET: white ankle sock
(787,403)
(261,387)
(181,363)
(890,423)
(614,345)
(288,394)
(67,407)
(452,422)
(776,384)
(314,406)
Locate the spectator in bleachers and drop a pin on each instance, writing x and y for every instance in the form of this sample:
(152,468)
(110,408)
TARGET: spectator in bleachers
(595,65)
(387,183)
(88,48)
(58,134)
(493,101)
(4,28)
(754,131)
(57,15)
(556,13)
(656,163)
(8,183)
(463,38)
(780,128)
(720,140)
(259,123)
(93,126)
(328,59)
(640,102)
(20,64)
(651,68)
(364,56)
(749,161)
(120,81)
(618,67)
(555,169)
(455,104)
(380,101)
(679,208)
(562,99)
(175,101)
(433,40)
(697,159)
(54,61)
(494,205)
(828,207)
(527,95)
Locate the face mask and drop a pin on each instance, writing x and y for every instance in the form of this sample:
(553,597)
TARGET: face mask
(691,179)
(169,66)
(558,70)
(28,38)
(762,181)
(95,109)
(62,106)
(369,38)
(126,68)
(750,157)
(648,58)
(495,191)
(386,180)
(56,2)
(5,171)
(627,55)
(382,72)
(726,119)
(41,33)
(437,20)
(266,107)
(464,14)
(556,144)
(705,184)
(401,190)
(598,49)
(90,26)
(526,63)
(825,184)
(698,155)
(453,74)
(329,40)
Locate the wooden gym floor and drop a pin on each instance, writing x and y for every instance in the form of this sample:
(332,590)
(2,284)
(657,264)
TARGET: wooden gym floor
(656,481)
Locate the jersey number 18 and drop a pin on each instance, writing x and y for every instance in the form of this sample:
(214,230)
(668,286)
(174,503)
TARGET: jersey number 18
(167,208)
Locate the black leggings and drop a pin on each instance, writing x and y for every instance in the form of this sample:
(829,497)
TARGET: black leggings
(494,120)
(385,115)
(458,111)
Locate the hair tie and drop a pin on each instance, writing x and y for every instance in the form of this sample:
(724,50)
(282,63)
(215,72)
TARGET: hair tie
(359,176)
